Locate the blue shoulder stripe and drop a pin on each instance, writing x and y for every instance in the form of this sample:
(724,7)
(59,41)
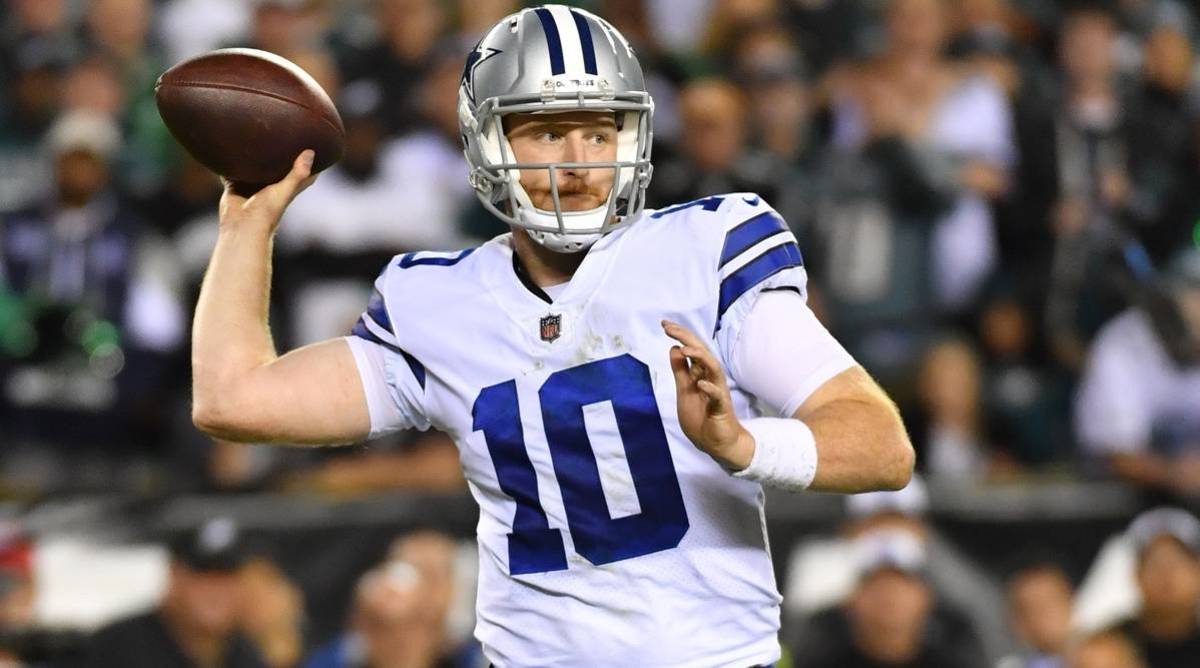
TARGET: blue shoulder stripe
(418,370)
(746,234)
(771,262)
(378,312)
(411,259)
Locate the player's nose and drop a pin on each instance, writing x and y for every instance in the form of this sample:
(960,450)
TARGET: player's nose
(574,150)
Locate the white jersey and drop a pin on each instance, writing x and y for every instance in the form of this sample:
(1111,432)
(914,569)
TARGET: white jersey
(606,537)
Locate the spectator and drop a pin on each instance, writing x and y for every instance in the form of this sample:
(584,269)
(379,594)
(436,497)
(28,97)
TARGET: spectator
(196,624)
(396,58)
(889,618)
(401,612)
(272,614)
(1040,597)
(30,107)
(1076,182)
(1136,407)
(822,575)
(188,28)
(1106,649)
(120,30)
(955,443)
(770,67)
(287,26)
(99,292)
(1163,145)
(872,240)
(1166,630)
(713,156)
(963,122)
(1026,402)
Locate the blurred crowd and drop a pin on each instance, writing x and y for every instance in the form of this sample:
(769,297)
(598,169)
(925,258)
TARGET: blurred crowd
(995,200)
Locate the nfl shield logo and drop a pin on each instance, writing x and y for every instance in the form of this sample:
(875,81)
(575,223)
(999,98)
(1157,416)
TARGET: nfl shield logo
(551,327)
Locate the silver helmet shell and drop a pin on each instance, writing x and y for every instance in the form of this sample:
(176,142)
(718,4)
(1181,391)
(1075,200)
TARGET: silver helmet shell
(555,59)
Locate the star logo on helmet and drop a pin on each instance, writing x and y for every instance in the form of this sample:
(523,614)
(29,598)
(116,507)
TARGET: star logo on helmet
(474,60)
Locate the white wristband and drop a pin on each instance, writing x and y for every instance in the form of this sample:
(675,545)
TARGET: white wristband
(785,453)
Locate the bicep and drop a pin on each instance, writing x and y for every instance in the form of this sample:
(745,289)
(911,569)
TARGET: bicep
(313,395)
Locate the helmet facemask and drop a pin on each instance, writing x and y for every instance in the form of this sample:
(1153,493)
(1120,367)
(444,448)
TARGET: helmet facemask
(496,173)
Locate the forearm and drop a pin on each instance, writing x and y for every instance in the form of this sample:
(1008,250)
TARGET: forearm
(230,334)
(862,446)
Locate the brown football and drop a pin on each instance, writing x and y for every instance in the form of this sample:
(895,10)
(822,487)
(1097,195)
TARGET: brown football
(246,114)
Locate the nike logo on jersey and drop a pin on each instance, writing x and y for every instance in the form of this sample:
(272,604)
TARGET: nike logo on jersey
(752,201)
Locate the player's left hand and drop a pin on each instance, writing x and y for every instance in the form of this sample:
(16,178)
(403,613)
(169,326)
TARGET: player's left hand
(705,406)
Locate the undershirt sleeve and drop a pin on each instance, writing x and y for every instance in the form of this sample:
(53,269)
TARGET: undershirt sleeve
(374,372)
(783,353)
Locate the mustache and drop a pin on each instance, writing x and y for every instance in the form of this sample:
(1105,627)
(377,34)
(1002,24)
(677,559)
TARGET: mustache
(574,184)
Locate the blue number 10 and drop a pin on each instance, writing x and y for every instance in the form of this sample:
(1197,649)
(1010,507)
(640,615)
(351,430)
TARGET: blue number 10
(534,547)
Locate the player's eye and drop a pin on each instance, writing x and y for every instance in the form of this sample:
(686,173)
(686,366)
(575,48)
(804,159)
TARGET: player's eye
(600,138)
(549,136)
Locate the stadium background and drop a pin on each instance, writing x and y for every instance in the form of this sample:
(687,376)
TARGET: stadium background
(981,188)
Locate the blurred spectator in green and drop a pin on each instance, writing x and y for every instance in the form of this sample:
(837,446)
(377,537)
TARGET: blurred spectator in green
(196,623)
(95,293)
(476,17)
(1040,599)
(396,55)
(1166,629)
(1164,157)
(120,31)
(1137,403)
(1026,403)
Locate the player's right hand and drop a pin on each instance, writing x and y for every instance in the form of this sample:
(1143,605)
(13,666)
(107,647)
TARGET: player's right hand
(266,206)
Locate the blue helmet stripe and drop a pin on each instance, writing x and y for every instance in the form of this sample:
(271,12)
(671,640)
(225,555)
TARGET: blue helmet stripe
(585,41)
(553,41)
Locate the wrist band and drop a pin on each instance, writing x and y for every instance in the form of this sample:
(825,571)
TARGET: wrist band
(785,453)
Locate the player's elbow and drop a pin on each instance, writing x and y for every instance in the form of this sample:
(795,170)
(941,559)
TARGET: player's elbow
(898,463)
(219,419)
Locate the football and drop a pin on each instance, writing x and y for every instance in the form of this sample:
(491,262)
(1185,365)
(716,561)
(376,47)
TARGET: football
(246,114)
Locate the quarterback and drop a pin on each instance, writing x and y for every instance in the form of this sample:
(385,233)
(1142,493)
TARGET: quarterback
(621,382)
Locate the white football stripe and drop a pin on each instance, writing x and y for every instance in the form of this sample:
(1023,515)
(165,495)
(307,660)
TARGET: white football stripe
(568,34)
(750,254)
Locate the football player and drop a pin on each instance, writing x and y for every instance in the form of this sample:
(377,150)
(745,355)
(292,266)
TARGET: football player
(603,369)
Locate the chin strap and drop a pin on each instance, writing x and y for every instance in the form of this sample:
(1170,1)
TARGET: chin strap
(558,241)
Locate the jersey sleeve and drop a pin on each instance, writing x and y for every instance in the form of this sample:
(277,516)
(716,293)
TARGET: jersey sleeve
(758,253)
(784,354)
(393,380)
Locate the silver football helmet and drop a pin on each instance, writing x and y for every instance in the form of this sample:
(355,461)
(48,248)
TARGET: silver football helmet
(554,59)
